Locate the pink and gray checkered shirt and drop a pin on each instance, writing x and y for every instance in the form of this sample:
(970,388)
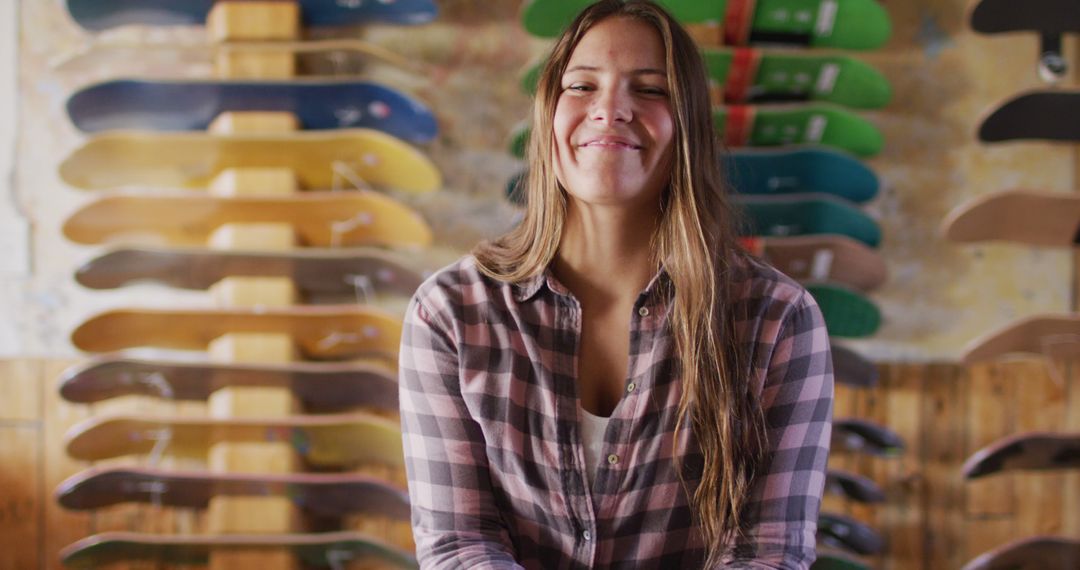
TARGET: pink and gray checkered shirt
(493,452)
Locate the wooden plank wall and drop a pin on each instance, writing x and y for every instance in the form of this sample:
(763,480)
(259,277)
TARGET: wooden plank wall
(932,519)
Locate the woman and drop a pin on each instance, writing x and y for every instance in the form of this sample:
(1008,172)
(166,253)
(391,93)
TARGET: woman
(615,382)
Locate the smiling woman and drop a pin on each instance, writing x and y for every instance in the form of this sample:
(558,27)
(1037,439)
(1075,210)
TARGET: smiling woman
(615,381)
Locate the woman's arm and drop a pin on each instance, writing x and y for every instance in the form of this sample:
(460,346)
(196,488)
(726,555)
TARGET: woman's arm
(797,399)
(455,521)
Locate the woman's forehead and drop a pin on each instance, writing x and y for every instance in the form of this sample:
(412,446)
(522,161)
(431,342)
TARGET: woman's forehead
(619,41)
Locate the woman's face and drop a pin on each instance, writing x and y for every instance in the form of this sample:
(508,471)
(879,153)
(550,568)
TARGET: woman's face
(613,125)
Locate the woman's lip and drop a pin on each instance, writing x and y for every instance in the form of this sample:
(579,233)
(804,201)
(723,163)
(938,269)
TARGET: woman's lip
(612,143)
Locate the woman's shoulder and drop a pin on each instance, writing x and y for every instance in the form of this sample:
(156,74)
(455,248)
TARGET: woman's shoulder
(458,285)
(762,292)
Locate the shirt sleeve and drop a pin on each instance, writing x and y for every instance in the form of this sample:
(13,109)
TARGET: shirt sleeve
(797,400)
(455,521)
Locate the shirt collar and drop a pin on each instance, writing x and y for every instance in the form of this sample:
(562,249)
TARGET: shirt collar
(528,288)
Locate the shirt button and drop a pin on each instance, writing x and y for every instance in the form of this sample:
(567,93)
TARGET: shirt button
(613,459)
(630,387)
(644,311)
(587,535)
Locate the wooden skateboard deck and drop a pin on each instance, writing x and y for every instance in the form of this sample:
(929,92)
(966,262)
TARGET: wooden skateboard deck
(771,126)
(319,272)
(321,219)
(98,15)
(1029,451)
(753,76)
(851,368)
(847,312)
(320,386)
(324,441)
(1046,335)
(193,105)
(843,24)
(1047,115)
(854,487)
(833,258)
(807,214)
(320,494)
(332,332)
(864,436)
(1049,219)
(849,534)
(192,160)
(1031,553)
(318,550)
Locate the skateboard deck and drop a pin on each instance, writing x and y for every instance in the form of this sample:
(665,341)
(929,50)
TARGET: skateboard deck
(837,561)
(807,214)
(1049,219)
(321,219)
(321,494)
(752,76)
(851,368)
(98,15)
(1047,115)
(1029,451)
(823,258)
(1045,335)
(320,386)
(843,24)
(191,160)
(854,487)
(1050,18)
(324,441)
(330,332)
(772,126)
(316,272)
(847,312)
(321,550)
(864,436)
(1032,553)
(849,534)
(193,105)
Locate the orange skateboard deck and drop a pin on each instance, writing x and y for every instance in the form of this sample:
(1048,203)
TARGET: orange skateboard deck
(320,386)
(1032,553)
(1049,219)
(324,441)
(831,257)
(320,159)
(1047,335)
(332,332)
(1029,451)
(321,219)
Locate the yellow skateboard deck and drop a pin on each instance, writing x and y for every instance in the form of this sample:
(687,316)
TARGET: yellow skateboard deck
(339,440)
(320,159)
(1046,335)
(330,332)
(321,219)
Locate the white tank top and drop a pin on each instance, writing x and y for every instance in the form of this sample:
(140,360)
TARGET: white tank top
(592,435)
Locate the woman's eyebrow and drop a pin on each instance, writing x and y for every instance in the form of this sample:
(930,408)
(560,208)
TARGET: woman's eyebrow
(642,71)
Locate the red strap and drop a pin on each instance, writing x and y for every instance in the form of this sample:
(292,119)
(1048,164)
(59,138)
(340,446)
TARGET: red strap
(738,18)
(753,244)
(741,74)
(740,121)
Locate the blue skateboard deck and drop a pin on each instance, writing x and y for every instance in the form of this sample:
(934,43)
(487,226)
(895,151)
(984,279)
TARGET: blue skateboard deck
(98,15)
(807,214)
(192,105)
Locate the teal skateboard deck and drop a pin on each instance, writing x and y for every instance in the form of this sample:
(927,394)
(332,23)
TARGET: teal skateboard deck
(864,436)
(843,24)
(193,105)
(1031,553)
(807,214)
(752,76)
(321,550)
(765,126)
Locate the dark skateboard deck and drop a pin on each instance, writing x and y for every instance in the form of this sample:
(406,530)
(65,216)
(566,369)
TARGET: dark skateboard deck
(864,436)
(317,273)
(320,494)
(1050,219)
(1050,336)
(323,441)
(320,386)
(807,214)
(837,561)
(849,534)
(98,15)
(1049,18)
(332,332)
(1032,553)
(318,550)
(320,219)
(193,105)
(851,368)
(833,258)
(852,486)
(1045,115)
(847,312)
(1030,451)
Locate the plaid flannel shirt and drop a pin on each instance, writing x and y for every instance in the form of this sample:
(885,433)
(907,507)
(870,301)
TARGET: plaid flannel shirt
(494,457)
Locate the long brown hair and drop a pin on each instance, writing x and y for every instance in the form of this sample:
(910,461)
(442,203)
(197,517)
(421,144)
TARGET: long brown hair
(696,242)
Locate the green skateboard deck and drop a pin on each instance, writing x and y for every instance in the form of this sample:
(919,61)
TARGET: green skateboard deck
(323,441)
(833,258)
(767,126)
(319,550)
(320,494)
(807,214)
(321,159)
(321,387)
(864,436)
(752,76)
(1031,553)
(847,312)
(321,219)
(1049,219)
(1029,451)
(1050,336)
(843,24)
